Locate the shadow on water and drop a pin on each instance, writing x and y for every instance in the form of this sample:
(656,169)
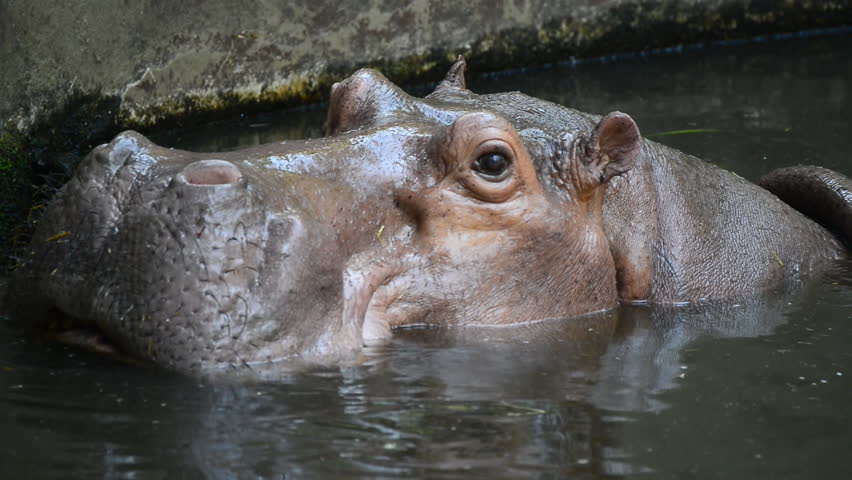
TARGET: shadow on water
(758,388)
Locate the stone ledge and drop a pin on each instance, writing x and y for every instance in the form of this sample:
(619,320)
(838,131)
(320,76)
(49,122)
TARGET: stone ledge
(177,60)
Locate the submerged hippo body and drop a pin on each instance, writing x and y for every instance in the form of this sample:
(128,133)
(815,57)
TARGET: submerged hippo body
(456,209)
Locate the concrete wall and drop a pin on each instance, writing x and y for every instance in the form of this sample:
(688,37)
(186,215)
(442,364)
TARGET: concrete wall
(74,73)
(157,59)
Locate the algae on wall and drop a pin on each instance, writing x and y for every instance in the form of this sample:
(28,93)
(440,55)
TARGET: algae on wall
(15,174)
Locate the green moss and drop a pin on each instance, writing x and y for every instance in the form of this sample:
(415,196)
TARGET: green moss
(15,172)
(196,108)
(34,164)
(12,148)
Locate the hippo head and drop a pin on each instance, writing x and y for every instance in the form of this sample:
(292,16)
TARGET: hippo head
(455,209)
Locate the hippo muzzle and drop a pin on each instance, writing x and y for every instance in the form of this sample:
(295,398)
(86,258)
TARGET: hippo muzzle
(200,260)
(409,211)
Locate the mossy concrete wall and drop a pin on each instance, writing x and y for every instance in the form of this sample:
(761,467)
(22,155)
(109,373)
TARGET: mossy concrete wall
(165,59)
(73,73)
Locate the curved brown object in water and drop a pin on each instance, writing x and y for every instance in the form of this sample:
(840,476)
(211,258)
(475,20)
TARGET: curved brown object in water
(822,194)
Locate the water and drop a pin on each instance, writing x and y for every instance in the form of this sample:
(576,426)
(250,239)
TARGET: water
(754,390)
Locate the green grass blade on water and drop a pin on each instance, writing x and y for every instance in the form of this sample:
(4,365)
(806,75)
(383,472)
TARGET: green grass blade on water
(690,131)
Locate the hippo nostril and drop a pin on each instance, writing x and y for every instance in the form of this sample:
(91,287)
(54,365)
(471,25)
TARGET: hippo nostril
(211,172)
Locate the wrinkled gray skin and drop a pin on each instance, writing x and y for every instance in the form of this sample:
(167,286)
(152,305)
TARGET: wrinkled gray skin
(304,251)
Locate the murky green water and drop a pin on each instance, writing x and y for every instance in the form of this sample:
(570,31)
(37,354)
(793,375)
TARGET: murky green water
(755,390)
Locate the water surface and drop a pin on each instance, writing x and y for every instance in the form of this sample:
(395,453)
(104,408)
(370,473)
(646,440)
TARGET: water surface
(756,389)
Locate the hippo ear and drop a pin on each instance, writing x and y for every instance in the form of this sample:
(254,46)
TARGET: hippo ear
(361,99)
(612,147)
(454,78)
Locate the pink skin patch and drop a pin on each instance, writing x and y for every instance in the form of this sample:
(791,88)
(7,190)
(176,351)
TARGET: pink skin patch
(212,172)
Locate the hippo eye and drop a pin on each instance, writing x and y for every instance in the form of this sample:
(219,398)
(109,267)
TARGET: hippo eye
(492,166)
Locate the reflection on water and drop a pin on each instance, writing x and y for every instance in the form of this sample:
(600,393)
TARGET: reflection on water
(749,389)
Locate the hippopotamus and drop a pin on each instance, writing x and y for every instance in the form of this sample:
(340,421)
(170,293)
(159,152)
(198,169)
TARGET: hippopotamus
(452,210)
